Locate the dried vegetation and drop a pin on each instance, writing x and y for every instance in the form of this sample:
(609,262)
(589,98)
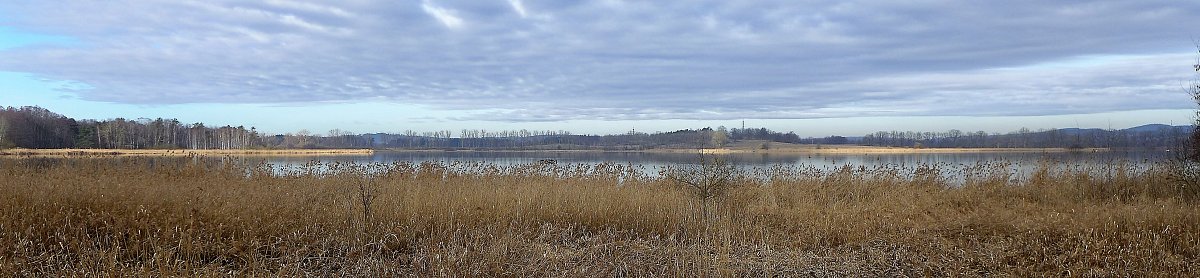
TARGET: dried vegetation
(194,216)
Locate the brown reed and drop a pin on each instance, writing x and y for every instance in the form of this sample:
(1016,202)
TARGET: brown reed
(196,216)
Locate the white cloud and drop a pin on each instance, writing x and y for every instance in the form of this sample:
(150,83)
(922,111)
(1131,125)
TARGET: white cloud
(445,16)
(710,59)
(518,7)
(311,7)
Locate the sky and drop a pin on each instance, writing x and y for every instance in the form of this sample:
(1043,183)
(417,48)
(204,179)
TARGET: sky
(597,67)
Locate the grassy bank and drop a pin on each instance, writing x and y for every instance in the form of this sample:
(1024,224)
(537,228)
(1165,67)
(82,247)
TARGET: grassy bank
(144,152)
(139,216)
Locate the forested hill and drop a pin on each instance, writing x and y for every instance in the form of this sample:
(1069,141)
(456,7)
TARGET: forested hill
(35,127)
(1145,136)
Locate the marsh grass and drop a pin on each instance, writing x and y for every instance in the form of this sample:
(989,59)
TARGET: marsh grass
(194,216)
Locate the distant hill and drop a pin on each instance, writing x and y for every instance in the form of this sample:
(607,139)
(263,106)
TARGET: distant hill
(1144,136)
(1141,128)
(1160,127)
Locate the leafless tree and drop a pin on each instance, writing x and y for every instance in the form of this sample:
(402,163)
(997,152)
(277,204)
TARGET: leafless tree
(707,182)
(1193,89)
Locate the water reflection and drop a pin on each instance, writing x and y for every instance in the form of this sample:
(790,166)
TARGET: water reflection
(657,160)
(953,167)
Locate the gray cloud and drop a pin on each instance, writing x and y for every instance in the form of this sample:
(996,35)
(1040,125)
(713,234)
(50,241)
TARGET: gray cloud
(512,60)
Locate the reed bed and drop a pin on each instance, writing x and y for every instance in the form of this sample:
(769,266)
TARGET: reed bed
(194,216)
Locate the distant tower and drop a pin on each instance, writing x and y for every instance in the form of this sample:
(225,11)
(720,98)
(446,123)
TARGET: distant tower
(743,124)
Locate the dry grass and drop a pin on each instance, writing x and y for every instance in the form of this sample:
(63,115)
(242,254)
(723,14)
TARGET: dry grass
(203,217)
(149,152)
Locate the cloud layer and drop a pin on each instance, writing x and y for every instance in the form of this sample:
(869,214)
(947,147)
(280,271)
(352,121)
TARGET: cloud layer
(514,60)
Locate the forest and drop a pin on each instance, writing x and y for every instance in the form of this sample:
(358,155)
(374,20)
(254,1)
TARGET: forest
(38,128)
(1146,136)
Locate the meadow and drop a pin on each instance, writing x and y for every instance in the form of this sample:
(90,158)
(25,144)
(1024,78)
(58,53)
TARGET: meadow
(196,216)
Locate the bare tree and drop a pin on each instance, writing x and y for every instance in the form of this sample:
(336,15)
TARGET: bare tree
(720,137)
(3,130)
(1193,89)
(707,182)
(1187,169)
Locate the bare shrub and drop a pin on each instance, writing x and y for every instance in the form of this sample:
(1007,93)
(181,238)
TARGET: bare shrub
(1185,171)
(708,181)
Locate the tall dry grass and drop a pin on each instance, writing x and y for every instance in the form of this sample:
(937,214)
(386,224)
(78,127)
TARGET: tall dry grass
(195,216)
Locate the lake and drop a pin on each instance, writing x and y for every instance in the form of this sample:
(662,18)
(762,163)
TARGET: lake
(1018,162)
(954,167)
(748,159)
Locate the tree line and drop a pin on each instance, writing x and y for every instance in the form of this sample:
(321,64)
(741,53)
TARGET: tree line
(739,134)
(36,127)
(550,139)
(39,128)
(1149,136)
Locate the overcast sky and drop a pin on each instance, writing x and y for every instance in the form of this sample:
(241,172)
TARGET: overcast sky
(816,67)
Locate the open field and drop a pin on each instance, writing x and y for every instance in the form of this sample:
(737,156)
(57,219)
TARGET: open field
(178,216)
(145,152)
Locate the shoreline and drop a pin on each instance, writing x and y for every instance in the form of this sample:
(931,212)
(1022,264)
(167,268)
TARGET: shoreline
(792,149)
(896,150)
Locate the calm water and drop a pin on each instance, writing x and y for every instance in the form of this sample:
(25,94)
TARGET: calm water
(955,167)
(751,159)
(1020,162)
